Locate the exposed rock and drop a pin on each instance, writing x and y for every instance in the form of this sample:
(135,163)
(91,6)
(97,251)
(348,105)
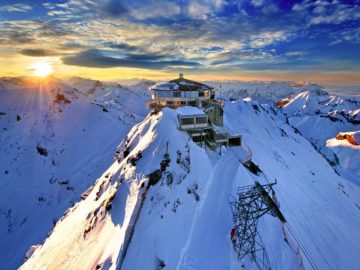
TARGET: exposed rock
(60,98)
(154,177)
(42,151)
(349,137)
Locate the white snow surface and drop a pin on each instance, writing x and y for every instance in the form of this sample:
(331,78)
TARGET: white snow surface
(166,86)
(189,110)
(185,220)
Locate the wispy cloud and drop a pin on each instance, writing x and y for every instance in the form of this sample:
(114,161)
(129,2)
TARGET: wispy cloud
(16,8)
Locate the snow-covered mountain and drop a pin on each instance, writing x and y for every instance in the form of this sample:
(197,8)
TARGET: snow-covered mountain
(70,205)
(55,140)
(128,220)
(320,117)
(270,91)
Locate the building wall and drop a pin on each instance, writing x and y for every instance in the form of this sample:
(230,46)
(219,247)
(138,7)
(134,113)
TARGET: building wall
(204,94)
(216,115)
(192,122)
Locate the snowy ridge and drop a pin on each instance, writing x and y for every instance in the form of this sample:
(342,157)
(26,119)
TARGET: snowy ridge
(126,180)
(185,219)
(320,117)
(317,101)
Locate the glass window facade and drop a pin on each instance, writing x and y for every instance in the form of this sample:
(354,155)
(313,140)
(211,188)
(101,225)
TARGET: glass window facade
(201,120)
(198,138)
(163,94)
(187,121)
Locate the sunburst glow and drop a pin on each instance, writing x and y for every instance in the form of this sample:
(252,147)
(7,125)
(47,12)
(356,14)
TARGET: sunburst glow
(41,69)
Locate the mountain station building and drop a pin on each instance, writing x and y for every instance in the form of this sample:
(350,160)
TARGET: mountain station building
(198,112)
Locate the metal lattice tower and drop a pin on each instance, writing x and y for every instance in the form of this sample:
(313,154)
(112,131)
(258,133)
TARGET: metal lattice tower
(252,203)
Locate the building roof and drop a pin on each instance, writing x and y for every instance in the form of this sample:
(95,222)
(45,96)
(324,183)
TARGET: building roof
(165,86)
(189,110)
(181,84)
(219,129)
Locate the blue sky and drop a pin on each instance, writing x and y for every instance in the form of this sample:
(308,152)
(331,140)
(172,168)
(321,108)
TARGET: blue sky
(245,39)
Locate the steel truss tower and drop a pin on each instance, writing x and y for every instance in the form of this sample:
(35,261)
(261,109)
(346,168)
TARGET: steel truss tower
(252,203)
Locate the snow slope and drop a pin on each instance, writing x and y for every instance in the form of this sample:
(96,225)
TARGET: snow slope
(184,220)
(55,141)
(321,207)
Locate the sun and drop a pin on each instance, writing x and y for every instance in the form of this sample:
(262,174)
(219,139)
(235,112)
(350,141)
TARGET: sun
(41,69)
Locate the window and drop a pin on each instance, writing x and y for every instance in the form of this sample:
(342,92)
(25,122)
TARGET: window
(164,94)
(198,138)
(201,120)
(187,121)
(177,94)
(221,136)
(201,94)
(187,94)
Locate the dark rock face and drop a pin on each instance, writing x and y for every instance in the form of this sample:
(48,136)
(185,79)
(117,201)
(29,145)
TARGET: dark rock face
(154,177)
(61,99)
(42,151)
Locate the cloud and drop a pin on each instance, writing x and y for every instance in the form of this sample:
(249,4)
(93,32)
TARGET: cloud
(202,9)
(38,52)
(14,38)
(296,54)
(49,5)
(119,9)
(336,15)
(112,8)
(197,11)
(16,8)
(98,59)
(327,12)
(153,10)
(231,58)
(257,3)
(119,45)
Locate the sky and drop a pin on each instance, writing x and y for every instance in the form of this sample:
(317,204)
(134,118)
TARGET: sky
(315,41)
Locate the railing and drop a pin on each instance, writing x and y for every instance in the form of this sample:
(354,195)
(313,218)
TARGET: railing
(155,103)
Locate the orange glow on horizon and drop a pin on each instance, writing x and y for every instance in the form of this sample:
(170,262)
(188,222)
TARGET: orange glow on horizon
(44,67)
